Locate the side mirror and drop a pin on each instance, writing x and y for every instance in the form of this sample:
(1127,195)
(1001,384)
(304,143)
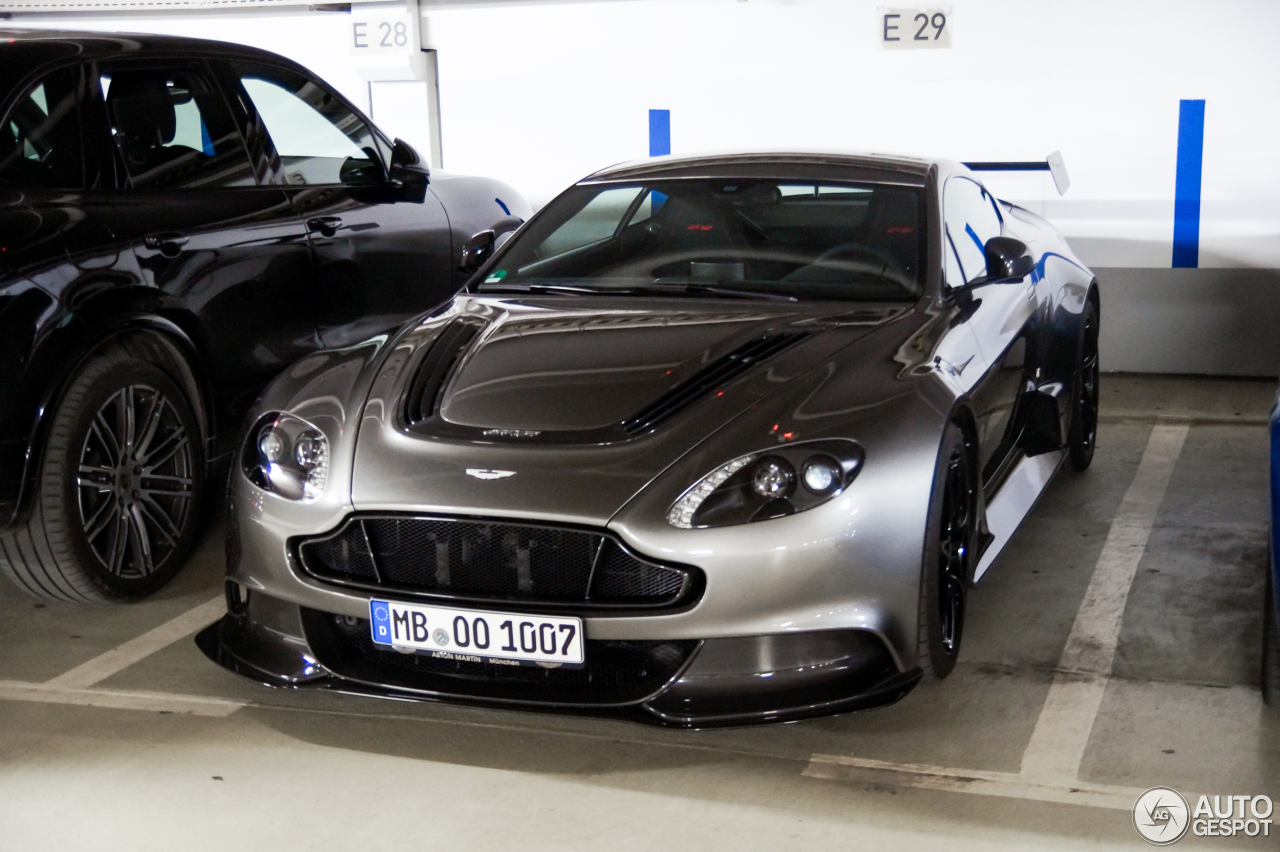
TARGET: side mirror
(1007,258)
(504,228)
(476,251)
(408,175)
(481,247)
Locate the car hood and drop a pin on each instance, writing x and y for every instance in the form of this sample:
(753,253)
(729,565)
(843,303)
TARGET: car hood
(564,407)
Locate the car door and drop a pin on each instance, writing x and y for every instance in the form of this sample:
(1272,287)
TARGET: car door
(51,219)
(225,254)
(1000,314)
(379,258)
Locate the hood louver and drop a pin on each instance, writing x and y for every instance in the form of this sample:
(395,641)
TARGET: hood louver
(436,368)
(715,374)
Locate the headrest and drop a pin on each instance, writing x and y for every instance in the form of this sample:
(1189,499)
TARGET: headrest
(143,107)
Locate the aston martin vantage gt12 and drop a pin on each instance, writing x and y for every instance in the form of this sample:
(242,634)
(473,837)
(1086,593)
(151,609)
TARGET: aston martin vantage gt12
(707,441)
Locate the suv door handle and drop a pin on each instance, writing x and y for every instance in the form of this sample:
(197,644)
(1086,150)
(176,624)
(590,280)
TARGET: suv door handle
(326,225)
(169,243)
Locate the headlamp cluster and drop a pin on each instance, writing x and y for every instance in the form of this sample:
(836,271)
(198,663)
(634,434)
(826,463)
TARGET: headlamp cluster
(770,484)
(287,456)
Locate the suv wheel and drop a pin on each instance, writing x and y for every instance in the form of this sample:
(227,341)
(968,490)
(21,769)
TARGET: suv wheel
(119,488)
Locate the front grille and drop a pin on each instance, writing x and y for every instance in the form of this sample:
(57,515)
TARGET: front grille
(490,561)
(614,672)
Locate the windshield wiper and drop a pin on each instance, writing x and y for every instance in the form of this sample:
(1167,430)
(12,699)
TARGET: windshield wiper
(665,287)
(565,289)
(714,288)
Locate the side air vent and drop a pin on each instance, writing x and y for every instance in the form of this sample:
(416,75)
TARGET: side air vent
(715,374)
(436,367)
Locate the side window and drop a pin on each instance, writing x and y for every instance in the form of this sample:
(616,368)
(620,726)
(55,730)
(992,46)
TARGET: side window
(597,220)
(172,130)
(40,143)
(971,218)
(319,139)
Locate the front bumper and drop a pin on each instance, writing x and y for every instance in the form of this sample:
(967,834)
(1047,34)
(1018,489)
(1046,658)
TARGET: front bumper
(685,683)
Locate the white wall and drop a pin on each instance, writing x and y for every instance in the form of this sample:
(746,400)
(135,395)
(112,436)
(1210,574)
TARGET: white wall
(544,92)
(539,93)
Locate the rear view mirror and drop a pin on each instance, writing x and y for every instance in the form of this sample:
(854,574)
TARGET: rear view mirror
(1007,258)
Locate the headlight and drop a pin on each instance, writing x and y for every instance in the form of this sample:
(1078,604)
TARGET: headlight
(288,456)
(764,485)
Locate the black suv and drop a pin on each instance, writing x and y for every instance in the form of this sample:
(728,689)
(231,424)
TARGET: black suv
(179,221)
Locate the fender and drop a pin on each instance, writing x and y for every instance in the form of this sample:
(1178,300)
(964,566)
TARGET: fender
(63,350)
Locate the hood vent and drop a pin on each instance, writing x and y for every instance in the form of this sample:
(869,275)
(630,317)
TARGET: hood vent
(436,368)
(715,374)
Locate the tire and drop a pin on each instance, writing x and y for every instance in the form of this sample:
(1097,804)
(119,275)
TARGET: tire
(118,498)
(1270,643)
(948,556)
(1083,433)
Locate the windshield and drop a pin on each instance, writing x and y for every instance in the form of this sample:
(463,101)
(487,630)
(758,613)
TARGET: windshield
(782,238)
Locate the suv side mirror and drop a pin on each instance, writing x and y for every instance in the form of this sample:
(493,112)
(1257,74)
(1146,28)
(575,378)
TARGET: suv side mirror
(408,175)
(1007,258)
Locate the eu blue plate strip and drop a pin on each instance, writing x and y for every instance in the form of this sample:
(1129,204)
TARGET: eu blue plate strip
(1186,196)
(659,132)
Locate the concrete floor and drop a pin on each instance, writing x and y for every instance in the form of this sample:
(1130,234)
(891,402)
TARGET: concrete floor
(153,747)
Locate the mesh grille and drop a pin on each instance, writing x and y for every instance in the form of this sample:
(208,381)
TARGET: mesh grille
(348,551)
(621,577)
(477,560)
(614,672)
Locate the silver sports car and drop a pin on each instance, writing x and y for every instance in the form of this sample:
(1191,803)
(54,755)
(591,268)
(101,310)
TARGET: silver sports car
(705,441)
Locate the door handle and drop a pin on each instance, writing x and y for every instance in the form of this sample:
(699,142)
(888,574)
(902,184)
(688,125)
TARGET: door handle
(326,225)
(169,244)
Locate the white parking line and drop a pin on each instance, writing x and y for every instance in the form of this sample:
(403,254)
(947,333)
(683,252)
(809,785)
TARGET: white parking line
(1051,762)
(118,699)
(121,657)
(1007,785)
(1062,732)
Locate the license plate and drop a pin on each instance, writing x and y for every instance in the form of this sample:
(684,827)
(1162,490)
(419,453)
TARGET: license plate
(479,636)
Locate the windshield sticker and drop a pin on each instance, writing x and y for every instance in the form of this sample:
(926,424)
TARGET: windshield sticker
(496,277)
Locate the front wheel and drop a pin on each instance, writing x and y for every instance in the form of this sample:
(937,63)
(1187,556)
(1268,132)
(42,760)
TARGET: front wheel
(119,488)
(948,556)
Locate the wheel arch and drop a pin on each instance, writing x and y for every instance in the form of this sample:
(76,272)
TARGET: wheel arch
(149,337)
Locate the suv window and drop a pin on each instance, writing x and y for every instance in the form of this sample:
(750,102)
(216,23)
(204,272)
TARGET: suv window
(173,130)
(972,219)
(319,139)
(40,141)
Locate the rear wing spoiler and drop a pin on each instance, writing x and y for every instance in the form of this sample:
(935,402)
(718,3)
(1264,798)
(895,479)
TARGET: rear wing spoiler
(1052,164)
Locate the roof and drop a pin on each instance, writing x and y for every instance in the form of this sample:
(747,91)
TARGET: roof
(880,167)
(22,51)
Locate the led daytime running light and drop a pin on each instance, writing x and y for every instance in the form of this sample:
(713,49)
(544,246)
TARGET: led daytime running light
(681,513)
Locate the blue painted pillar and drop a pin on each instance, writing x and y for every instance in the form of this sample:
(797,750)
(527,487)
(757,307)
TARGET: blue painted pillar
(1186,195)
(659,132)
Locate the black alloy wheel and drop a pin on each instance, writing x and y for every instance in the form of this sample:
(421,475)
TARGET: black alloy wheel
(1084,409)
(119,486)
(953,549)
(949,555)
(135,482)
